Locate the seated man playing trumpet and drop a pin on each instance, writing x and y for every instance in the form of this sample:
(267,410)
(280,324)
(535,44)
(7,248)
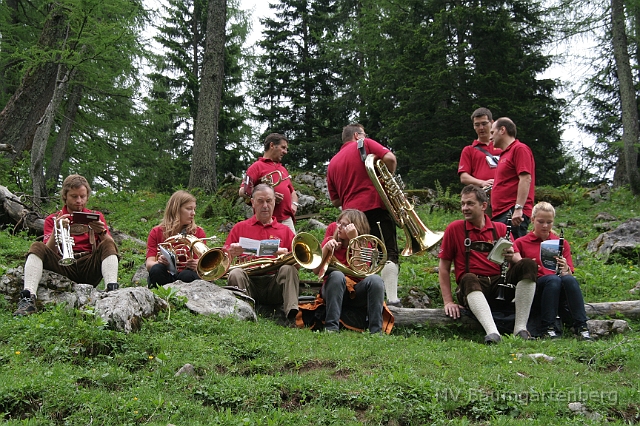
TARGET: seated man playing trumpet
(272,288)
(77,244)
(178,218)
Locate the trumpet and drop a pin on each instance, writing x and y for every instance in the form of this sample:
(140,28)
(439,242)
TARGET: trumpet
(65,242)
(212,262)
(366,255)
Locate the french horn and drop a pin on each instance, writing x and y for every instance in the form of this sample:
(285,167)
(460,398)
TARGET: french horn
(366,255)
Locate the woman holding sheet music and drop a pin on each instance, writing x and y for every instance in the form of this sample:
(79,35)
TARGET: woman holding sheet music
(178,218)
(556,285)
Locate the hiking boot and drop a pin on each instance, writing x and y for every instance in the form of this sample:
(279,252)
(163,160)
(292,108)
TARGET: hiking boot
(551,334)
(524,335)
(26,304)
(583,333)
(112,286)
(491,339)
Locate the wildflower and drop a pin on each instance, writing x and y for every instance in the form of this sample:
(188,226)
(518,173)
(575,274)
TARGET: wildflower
(150,356)
(18,352)
(135,398)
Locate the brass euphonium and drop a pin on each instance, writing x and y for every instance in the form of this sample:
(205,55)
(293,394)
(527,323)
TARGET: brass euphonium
(306,252)
(417,236)
(366,255)
(212,262)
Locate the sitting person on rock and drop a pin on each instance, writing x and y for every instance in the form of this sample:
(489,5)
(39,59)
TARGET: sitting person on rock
(178,218)
(77,244)
(556,286)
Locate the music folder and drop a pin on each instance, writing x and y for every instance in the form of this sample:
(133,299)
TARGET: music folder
(173,269)
(495,255)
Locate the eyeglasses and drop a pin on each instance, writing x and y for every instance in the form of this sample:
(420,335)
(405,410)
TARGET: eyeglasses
(364,135)
(481,124)
(342,225)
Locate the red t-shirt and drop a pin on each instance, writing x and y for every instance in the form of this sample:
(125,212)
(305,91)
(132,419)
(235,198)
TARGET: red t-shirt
(254,229)
(156,236)
(452,247)
(82,242)
(347,178)
(514,161)
(529,247)
(263,167)
(474,161)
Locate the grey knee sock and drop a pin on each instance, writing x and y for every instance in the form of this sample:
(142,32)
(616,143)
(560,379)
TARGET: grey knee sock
(480,308)
(389,275)
(525,291)
(110,269)
(32,274)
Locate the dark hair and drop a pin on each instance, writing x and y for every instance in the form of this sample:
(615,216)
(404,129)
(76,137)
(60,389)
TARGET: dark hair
(350,129)
(481,112)
(509,126)
(481,196)
(276,138)
(73,182)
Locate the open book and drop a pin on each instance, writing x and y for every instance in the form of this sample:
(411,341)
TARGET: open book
(495,255)
(259,247)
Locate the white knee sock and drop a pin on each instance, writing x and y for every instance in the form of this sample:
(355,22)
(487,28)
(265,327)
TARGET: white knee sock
(110,269)
(389,275)
(525,291)
(32,274)
(480,308)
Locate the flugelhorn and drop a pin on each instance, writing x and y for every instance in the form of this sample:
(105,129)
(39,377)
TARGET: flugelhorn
(306,252)
(212,262)
(366,255)
(65,242)
(390,188)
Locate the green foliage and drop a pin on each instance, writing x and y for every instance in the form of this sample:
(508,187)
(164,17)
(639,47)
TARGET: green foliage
(170,295)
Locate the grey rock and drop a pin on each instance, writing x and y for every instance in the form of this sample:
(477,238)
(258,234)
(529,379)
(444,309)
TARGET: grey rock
(605,217)
(416,299)
(316,224)
(601,328)
(635,289)
(140,276)
(307,203)
(315,180)
(125,308)
(600,193)
(186,369)
(206,298)
(603,226)
(624,240)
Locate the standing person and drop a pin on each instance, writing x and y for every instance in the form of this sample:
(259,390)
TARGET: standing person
(94,251)
(478,161)
(350,187)
(279,288)
(340,292)
(514,183)
(466,244)
(555,286)
(275,148)
(178,218)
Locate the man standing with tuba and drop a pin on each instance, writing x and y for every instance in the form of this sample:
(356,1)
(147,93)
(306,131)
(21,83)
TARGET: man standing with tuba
(350,187)
(269,169)
(281,287)
(88,252)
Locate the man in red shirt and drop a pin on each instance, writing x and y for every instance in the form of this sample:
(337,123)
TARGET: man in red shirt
(94,252)
(466,244)
(350,187)
(275,148)
(479,160)
(514,183)
(281,287)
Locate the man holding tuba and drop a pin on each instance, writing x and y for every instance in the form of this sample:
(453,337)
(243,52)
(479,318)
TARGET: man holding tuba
(269,169)
(279,287)
(86,252)
(350,187)
(178,218)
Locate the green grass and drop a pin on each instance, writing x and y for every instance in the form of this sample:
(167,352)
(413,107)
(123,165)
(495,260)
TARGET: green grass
(65,367)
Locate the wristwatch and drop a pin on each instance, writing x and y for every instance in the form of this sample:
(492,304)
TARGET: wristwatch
(295,203)
(518,207)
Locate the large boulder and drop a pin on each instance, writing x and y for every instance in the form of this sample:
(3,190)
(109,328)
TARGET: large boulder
(624,241)
(125,308)
(206,298)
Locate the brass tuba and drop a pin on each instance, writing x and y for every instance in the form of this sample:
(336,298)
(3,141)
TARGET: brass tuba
(366,255)
(212,262)
(417,236)
(306,252)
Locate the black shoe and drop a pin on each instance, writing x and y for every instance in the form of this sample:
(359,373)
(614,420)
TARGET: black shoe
(524,335)
(582,333)
(112,286)
(492,338)
(551,334)
(26,304)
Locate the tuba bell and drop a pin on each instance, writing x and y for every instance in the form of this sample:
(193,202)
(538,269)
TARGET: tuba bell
(212,262)
(366,255)
(65,242)
(306,252)
(417,236)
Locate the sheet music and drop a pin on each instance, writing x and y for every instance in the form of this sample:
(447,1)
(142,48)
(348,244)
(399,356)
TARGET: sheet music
(173,269)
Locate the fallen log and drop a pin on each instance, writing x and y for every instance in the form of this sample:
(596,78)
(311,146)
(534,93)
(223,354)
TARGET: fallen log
(436,317)
(7,148)
(19,214)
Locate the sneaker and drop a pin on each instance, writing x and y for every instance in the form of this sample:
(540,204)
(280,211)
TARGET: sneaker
(551,334)
(26,304)
(492,338)
(113,286)
(583,333)
(523,334)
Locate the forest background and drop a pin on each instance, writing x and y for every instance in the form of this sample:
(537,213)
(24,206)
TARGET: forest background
(83,92)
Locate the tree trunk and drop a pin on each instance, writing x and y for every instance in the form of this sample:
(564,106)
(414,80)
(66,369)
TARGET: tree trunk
(19,118)
(628,102)
(203,168)
(52,175)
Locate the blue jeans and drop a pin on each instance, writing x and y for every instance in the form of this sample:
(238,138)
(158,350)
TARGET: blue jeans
(554,290)
(516,231)
(159,276)
(369,293)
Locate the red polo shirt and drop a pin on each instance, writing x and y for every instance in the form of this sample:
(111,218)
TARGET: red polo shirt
(347,178)
(82,243)
(254,229)
(474,161)
(516,159)
(263,167)
(529,247)
(453,249)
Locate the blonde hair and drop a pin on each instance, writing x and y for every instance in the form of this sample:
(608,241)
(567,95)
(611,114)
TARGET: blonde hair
(357,218)
(543,206)
(171,219)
